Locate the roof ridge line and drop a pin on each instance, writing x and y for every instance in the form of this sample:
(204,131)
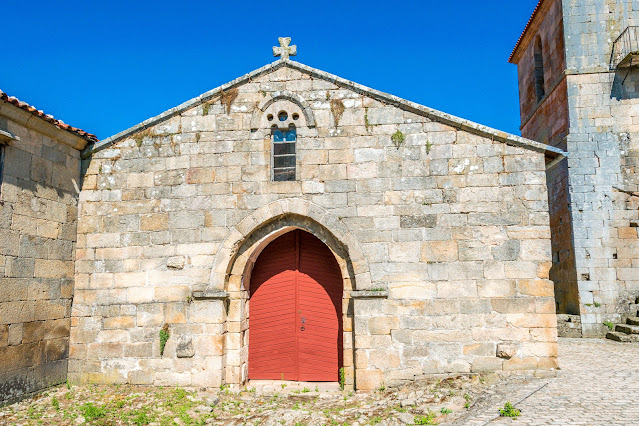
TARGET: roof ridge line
(437,115)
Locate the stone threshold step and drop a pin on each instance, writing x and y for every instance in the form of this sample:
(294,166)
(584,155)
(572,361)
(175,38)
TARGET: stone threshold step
(628,329)
(622,337)
(632,320)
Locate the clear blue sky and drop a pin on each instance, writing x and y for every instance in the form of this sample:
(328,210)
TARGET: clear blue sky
(106,66)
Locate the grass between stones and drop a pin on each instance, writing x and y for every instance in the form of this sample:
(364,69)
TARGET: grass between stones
(424,402)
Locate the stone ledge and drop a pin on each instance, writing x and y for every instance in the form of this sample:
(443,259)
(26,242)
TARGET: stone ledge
(210,295)
(369,294)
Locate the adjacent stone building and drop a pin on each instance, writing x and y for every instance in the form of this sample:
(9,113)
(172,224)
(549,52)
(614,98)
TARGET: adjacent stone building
(437,229)
(39,187)
(579,91)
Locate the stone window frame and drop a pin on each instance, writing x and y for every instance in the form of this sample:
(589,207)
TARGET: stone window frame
(284,116)
(274,155)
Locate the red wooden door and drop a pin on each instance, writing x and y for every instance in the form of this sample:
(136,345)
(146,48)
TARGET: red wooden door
(295,318)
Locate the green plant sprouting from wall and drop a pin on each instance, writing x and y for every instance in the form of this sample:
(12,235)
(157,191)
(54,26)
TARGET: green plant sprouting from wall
(337,108)
(164,336)
(428,147)
(398,138)
(367,123)
(342,378)
(610,325)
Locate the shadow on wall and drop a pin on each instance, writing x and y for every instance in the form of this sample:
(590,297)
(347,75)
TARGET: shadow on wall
(625,84)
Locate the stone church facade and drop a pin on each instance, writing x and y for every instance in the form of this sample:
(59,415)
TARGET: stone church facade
(578,85)
(438,229)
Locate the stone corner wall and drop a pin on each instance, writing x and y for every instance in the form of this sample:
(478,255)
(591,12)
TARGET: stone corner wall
(603,147)
(38,214)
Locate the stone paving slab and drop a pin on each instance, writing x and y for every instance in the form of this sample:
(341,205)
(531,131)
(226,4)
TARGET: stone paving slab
(597,384)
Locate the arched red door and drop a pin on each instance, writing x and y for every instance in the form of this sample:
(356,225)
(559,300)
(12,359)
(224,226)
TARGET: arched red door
(295,311)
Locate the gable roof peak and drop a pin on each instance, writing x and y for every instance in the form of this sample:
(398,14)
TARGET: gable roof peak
(386,98)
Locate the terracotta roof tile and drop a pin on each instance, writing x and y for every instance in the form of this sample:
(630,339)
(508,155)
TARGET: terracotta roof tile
(521,37)
(47,117)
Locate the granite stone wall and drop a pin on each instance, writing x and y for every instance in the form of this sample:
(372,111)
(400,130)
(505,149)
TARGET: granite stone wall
(593,211)
(443,237)
(602,144)
(547,121)
(38,214)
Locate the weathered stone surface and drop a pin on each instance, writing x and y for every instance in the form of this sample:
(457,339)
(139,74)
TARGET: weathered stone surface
(437,238)
(38,217)
(185,348)
(506,350)
(175,262)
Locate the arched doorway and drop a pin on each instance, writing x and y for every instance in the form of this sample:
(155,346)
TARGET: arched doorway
(295,322)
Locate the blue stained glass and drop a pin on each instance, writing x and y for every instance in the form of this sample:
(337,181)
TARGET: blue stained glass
(278,136)
(291,135)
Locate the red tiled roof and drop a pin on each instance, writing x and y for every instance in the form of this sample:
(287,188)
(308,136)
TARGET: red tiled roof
(47,117)
(521,37)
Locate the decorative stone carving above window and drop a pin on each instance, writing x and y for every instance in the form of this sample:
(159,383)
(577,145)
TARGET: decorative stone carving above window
(283,114)
(284,99)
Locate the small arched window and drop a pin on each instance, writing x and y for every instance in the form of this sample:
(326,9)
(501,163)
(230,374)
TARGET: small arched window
(283,118)
(283,149)
(539,70)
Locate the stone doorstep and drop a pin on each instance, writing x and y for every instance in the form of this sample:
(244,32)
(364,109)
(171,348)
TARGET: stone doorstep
(622,337)
(628,329)
(288,386)
(632,320)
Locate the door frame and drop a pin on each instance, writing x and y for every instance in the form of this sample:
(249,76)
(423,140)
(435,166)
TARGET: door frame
(235,358)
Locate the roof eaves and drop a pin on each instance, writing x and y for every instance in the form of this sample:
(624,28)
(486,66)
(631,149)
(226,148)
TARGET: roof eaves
(434,114)
(523,33)
(105,143)
(47,117)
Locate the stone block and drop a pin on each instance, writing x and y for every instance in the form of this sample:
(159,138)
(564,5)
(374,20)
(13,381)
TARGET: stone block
(382,325)
(171,293)
(506,350)
(480,349)
(150,315)
(439,251)
(496,288)
(457,289)
(485,364)
(185,348)
(540,288)
(508,250)
(367,380)
(206,312)
(421,221)
(119,322)
(154,222)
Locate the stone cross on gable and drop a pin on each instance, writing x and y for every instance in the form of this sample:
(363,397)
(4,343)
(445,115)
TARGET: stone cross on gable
(284,50)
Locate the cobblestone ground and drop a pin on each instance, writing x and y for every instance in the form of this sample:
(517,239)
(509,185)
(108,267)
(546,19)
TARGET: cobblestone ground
(597,384)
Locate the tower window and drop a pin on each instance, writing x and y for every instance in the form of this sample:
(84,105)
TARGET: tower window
(539,70)
(283,153)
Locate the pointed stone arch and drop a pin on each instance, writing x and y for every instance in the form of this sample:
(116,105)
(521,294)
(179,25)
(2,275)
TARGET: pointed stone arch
(230,277)
(282,95)
(225,261)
